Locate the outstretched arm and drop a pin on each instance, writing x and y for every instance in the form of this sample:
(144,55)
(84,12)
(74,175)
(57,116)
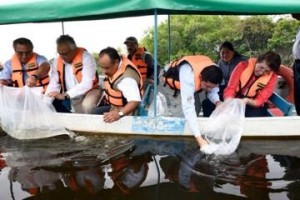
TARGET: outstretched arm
(42,71)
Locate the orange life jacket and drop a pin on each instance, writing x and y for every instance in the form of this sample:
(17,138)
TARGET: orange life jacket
(120,165)
(257,85)
(112,94)
(197,62)
(30,68)
(77,70)
(139,60)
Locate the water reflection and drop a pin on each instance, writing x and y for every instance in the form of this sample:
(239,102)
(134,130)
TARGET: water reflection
(115,168)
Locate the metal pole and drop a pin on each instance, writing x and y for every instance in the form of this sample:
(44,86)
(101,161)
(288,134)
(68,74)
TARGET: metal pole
(169,38)
(155,61)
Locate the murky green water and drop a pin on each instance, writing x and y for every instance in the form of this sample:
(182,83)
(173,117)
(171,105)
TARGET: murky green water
(115,168)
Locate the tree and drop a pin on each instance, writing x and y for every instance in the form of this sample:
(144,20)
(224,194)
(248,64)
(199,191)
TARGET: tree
(283,38)
(256,31)
(201,34)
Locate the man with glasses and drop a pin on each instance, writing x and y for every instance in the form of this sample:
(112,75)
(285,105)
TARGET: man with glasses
(73,78)
(25,67)
(254,81)
(123,85)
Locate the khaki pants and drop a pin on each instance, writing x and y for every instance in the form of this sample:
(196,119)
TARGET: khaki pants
(86,103)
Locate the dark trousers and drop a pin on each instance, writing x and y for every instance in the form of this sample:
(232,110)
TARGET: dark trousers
(256,112)
(63,106)
(209,107)
(101,110)
(296,69)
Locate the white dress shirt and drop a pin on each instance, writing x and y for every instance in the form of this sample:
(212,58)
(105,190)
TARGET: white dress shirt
(129,87)
(74,89)
(187,90)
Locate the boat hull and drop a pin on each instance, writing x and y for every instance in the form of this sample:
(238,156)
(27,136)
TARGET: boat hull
(171,126)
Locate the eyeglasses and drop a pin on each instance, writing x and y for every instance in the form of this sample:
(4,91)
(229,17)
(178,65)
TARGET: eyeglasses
(65,53)
(263,69)
(25,53)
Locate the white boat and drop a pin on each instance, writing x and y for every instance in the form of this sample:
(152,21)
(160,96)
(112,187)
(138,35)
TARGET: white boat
(170,126)
(165,126)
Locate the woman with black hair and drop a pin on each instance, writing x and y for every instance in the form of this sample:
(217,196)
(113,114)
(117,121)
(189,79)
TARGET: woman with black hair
(229,58)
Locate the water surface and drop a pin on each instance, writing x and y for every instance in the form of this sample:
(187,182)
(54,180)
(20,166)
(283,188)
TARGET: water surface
(115,167)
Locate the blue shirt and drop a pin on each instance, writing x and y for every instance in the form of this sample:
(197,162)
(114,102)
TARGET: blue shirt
(6,73)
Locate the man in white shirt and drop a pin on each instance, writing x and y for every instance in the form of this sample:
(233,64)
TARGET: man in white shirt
(73,77)
(296,68)
(123,84)
(196,74)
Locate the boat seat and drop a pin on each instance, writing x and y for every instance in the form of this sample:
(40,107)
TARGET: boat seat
(282,106)
(143,107)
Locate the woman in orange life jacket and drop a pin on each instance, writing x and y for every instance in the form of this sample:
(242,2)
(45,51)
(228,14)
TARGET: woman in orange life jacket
(74,78)
(25,67)
(123,85)
(254,81)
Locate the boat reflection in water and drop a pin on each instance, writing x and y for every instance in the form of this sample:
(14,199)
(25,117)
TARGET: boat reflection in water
(114,168)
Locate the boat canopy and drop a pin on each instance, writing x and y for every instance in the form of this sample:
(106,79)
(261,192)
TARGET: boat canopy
(23,11)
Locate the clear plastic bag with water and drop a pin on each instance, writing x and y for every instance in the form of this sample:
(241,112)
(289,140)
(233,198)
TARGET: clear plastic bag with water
(161,106)
(28,114)
(224,127)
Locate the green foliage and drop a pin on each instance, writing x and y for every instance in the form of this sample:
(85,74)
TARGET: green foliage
(256,31)
(200,34)
(283,39)
(96,56)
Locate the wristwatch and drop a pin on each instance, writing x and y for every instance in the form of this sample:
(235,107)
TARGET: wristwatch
(66,96)
(121,114)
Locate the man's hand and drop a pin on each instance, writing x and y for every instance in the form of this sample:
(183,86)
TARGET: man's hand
(3,82)
(31,81)
(247,101)
(57,95)
(218,103)
(111,116)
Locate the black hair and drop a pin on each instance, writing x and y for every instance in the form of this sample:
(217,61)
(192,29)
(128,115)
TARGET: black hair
(22,41)
(272,59)
(111,52)
(228,45)
(212,74)
(65,39)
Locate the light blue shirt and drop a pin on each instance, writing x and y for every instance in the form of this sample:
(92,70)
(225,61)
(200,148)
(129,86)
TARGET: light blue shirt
(6,73)
(187,90)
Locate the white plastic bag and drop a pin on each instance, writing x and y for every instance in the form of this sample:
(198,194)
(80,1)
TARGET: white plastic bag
(26,114)
(224,128)
(161,106)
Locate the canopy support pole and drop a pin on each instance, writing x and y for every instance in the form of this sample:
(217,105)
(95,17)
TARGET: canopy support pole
(169,38)
(62,28)
(155,61)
